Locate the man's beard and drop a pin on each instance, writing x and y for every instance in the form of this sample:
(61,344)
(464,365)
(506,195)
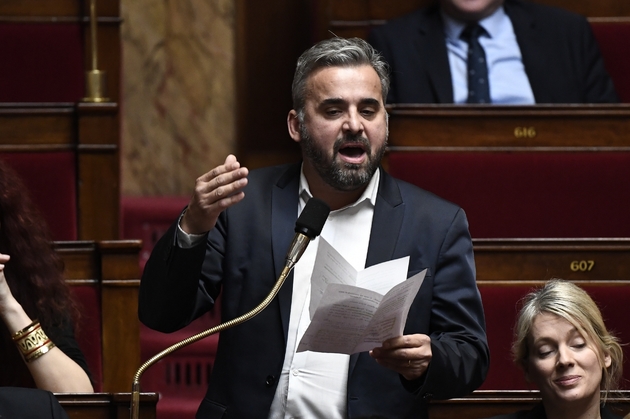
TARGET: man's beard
(340,175)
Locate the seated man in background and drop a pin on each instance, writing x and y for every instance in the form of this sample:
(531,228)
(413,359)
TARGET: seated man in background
(519,52)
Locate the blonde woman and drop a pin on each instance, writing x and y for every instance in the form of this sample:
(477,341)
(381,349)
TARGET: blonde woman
(564,348)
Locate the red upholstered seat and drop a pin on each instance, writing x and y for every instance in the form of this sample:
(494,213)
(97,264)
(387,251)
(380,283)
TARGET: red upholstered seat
(501,306)
(52,182)
(147,218)
(41,62)
(181,378)
(528,194)
(613,37)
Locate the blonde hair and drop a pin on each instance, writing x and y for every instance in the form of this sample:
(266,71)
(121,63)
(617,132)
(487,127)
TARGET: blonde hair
(572,303)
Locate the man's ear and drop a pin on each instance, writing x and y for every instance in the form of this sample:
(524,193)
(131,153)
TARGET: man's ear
(293,124)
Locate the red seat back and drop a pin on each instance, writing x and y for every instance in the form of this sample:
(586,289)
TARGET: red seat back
(182,378)
(51,179)
(528,194)
(41,62)
(501,305)
(613,37)
(147,218)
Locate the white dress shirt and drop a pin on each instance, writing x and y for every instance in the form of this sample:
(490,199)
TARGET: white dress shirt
(506,73)
(313,384)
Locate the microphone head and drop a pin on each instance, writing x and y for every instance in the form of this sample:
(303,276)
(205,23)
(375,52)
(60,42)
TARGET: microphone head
(312,219)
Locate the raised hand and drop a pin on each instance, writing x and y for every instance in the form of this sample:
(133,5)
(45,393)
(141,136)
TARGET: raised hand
(215,191)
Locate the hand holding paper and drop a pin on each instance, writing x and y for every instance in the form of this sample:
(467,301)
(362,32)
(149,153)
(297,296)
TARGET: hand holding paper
(349,312)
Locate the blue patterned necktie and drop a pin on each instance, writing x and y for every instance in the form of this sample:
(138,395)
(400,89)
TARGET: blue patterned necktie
(477,68)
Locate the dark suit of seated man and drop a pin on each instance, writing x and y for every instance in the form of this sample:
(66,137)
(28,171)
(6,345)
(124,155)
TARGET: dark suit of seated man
(29,403)
(534,54)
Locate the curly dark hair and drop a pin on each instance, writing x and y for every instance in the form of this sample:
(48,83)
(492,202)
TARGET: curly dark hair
(35,271)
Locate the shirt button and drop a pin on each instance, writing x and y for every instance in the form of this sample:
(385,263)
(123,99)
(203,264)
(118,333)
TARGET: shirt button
(295,372)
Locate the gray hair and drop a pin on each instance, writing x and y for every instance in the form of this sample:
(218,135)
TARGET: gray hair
(336,52)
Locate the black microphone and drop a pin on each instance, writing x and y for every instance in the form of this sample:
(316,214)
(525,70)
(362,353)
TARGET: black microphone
(308,226)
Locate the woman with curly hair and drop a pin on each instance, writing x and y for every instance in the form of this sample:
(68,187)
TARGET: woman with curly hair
(37,344)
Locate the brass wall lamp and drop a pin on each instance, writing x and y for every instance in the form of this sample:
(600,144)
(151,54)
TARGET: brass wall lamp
(95,81)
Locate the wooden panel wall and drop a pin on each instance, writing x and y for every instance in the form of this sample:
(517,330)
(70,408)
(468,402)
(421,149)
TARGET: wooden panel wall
(479,128)
(113,267)
(89,129)
(270,36)
(106,405)
(77,11)
(531,261)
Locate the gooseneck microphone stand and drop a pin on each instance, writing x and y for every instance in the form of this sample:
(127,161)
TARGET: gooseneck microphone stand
(308,226)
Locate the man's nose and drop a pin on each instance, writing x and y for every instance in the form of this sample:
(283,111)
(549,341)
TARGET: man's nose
(353,122)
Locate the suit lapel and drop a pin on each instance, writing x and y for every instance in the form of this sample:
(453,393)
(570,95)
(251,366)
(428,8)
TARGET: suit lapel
(435,56)
(386,226)
(284,204)
(387,221)
(531,43)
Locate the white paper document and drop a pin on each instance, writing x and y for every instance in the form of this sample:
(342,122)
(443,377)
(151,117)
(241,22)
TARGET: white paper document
(355,311)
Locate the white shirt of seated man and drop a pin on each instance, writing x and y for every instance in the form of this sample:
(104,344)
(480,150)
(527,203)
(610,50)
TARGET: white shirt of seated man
(508,82)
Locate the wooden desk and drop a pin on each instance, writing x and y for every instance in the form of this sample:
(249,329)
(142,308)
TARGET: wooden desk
(484,404)
(534,260)
(110,269)
(106,405)
(477,127)
(520,171)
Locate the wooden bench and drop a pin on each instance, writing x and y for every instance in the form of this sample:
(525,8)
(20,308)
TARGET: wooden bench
(484,404)
(522,171)
(545,127)
(104,278)
(106,405)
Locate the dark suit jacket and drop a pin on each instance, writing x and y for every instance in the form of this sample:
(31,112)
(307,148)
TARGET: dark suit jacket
(560,55)
(538,412)
(244,256)
(29,403)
